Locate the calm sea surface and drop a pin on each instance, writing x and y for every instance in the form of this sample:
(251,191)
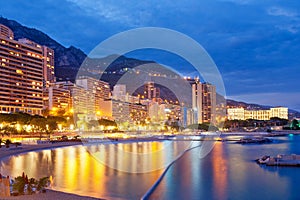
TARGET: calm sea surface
(227,172)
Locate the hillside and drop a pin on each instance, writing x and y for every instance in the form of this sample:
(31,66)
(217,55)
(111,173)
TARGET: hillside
(69,59)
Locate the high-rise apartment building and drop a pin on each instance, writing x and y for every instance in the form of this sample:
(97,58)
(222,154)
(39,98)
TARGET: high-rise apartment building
(21,74)
(6,32)
(150,91)
(56,97)
(204,102)
(97,91)
(48,66)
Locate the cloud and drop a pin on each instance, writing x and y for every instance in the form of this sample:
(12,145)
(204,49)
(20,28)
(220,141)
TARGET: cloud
(278,11)
(290,20)
(292,28)
(241,2)
(127,13)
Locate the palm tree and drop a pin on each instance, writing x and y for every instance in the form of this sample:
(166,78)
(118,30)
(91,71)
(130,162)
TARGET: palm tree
(19,185)
(31,184)
(42,183)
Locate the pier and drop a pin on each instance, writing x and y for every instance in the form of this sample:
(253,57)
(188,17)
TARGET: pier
(280,160)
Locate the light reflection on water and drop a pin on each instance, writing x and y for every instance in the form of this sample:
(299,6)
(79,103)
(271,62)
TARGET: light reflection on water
(77,169)
(228,172)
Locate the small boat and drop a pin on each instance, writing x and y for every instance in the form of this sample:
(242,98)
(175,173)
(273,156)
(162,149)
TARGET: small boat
(263,160)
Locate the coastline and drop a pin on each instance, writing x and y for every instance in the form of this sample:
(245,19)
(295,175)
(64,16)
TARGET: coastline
(13,151)
(50,194)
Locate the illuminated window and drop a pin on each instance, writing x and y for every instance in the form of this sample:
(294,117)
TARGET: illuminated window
(19,71)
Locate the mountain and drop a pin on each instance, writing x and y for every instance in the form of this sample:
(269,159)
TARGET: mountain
(67,60)
(233,103)
(98,66)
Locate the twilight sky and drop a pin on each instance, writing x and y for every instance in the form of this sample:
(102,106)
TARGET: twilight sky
(254,43)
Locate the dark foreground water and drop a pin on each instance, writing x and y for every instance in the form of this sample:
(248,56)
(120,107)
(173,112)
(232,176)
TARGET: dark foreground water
(227,172)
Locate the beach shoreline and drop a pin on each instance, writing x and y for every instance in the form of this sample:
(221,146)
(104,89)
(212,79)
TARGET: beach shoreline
(25,148)
(50,194)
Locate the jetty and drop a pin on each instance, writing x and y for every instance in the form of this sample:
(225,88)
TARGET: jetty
(254,140)
(280,160)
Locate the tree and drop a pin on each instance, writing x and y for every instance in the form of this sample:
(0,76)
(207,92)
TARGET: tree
(31,184)
(93,123)
(39,122)
(8,130)
(19,184)
(22,181)
(7,143)
(295,124)
(42,183)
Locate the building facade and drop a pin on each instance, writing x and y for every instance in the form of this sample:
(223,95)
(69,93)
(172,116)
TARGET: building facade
(57,97)
(48,66)
(243,114)
(95,91)
(150,91)
(21,74)
(236,113)
(204,102)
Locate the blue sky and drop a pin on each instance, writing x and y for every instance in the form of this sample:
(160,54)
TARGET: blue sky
(254,43)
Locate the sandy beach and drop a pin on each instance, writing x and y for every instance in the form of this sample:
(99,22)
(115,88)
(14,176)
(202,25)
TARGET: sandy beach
(50,194)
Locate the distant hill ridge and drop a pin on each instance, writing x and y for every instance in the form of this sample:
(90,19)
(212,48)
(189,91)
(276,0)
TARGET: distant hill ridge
(68,61)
